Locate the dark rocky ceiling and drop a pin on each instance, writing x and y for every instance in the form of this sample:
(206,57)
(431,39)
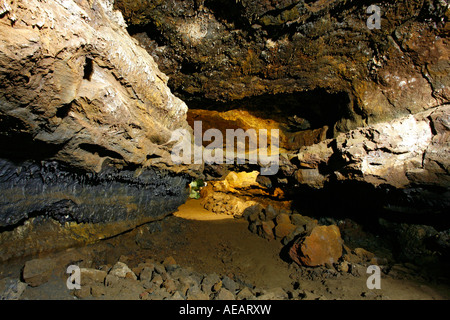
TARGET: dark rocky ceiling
(231,50)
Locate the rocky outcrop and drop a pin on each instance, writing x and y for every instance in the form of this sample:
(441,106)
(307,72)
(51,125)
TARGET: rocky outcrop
(76,88)
(322,247)
(241,193)
(409,154)
(85,117)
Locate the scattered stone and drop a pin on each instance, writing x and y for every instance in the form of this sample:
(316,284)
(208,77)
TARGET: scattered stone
(146,274)
(160,294)
(217,286)
(253,226)
(284,229)
(343,267)
(209,281)
(273,294)
(121,270)
(270,213)
(363,254)
(302,221)
(194,293)
(169,261)
(98,290)
(186,283)
(83,292)
(144,295)
(229,284)
(245,294)
(177,296)
(267,230)
(90,276)
(224,294)
(159,268)
(11,289)
(111,280)
(290,237)
(324,245)
(38,271)
(170,285)
(358,270)
(157,280)
(283,218)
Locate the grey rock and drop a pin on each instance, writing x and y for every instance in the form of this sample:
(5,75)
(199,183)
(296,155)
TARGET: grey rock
(146,274)
(11,289)
(229,284)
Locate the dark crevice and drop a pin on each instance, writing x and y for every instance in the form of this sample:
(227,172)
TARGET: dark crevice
(18,144)
(64,110)
(101,151)
(153,156)
(88,69)
(229,11)
(152,32)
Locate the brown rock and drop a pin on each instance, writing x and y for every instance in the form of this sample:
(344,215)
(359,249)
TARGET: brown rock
(146,274)
(217,286)
(170,285)
(169,261)
(144,295)
(38,271)
(267,230)
(323,246)
(283,218)
(98,290)
(284,229)
(90,276)
(304,221)
(83,292)
(363,254)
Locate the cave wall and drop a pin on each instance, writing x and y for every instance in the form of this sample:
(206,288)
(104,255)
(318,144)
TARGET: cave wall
(85,117)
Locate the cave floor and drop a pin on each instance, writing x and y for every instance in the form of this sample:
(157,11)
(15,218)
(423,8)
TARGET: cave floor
(203,242)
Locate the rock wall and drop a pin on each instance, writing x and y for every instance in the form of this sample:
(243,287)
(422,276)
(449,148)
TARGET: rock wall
(409,154)
(85,117)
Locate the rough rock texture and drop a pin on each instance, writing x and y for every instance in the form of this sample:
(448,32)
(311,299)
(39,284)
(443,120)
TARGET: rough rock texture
(322,247)
(315,70)
(85,115)
(77,88)
(409,154)
(241,192)
(38,271)
(231,50)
